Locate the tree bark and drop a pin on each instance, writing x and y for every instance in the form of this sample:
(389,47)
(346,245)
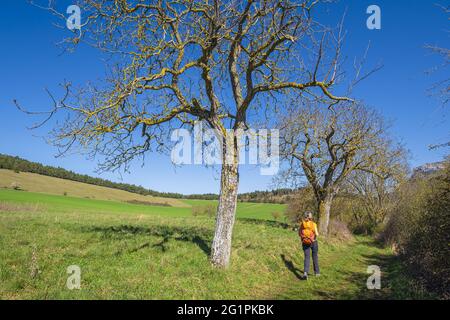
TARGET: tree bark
(226,210)
(324,208)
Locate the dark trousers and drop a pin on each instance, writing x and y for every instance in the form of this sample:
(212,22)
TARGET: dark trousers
(314,247)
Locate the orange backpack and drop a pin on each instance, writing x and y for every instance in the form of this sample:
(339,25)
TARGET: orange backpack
(307,233)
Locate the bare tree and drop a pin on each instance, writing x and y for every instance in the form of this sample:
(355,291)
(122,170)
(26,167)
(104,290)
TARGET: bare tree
(376,192)
(441,88)
(178,61)
(326,145)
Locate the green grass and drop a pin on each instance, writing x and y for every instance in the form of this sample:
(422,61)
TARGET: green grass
(248,210)
(130,251)
(55,203)
(33,182)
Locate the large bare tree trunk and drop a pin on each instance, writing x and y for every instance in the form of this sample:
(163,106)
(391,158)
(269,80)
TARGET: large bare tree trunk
(226,211)
(324,214)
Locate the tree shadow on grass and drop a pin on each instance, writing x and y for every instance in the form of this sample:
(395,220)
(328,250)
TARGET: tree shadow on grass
(199,236)
(371,242)
(268,223)
(342,282)
(396,283)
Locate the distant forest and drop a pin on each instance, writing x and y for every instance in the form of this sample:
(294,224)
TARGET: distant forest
(18,164)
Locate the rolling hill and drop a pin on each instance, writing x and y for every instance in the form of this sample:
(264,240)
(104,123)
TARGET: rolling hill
(73,194)
(39,183)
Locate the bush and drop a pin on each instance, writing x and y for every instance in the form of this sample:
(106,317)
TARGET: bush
(338,230)
(208,210)
(343,210)
(300,202)
(419,226)
(276,215)
(360,218)
(404,216)
(15,186)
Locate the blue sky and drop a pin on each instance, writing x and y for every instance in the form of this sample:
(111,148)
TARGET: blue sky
(30,61)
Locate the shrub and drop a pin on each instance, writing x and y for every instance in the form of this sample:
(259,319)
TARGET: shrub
(276,215)
(405,214)
(419,226)
(204,210)
(343,210)
(338,230)
(300,202)
(15,186)
(354,211)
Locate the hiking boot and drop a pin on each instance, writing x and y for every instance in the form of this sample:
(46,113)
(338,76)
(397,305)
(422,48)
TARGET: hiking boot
(305,276)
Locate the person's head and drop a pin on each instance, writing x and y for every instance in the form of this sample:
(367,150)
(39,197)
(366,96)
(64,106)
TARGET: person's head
(307,215)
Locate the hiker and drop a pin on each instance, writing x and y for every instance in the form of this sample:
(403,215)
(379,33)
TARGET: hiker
(308,233)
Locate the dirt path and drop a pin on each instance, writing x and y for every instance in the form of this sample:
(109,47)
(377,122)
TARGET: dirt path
(344,274)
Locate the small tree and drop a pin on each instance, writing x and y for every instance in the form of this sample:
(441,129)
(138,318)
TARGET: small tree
(326,145)
(375,193)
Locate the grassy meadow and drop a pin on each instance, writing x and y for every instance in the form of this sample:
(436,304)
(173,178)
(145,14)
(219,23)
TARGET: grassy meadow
(45,184)
(133,251)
